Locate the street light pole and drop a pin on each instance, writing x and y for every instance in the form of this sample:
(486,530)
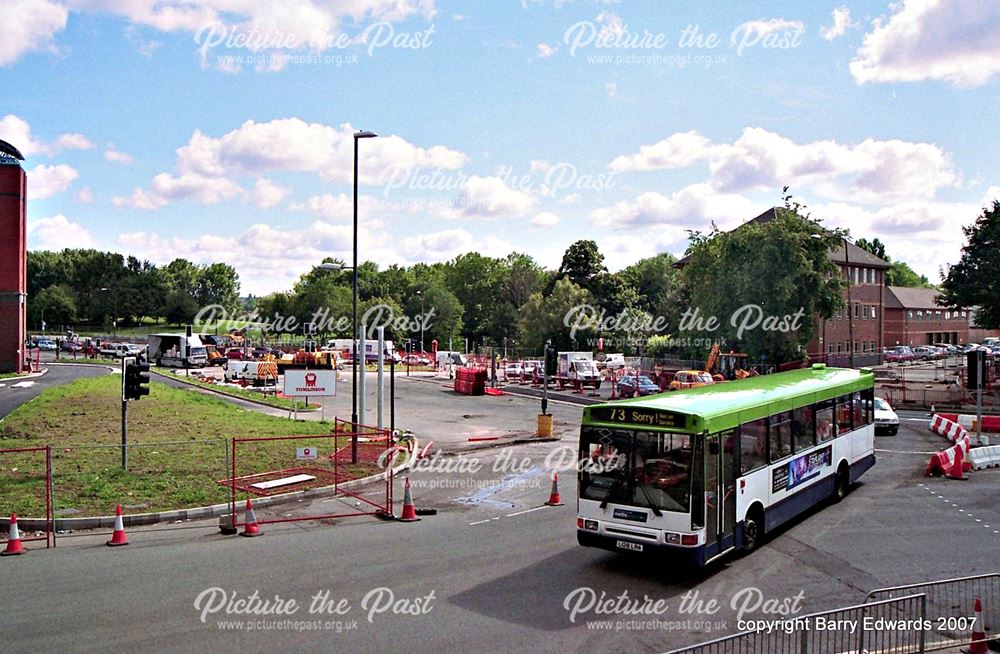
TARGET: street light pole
(354,334)
(850,307)
(421,321)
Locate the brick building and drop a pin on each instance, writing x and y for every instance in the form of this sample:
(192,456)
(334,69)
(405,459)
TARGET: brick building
(913,317)
(13,259)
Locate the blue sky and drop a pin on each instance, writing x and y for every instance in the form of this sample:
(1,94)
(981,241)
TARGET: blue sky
(221,130)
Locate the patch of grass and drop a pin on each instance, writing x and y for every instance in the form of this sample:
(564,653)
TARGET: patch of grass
(243,393)
(177,449)
(8,375)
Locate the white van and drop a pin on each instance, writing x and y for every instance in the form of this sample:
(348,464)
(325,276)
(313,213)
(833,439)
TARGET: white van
(445,357)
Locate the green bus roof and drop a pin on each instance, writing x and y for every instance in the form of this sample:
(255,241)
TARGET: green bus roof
(722,406)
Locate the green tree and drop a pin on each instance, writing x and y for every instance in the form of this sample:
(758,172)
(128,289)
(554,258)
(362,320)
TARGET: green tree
(446,322)
(655,280)
(219,284)
(182,275)
(581,263)
(54,304)
(476,281)
(900,274)
(544,317)
(774,270)
(180,308)
(875,246)
(975,280)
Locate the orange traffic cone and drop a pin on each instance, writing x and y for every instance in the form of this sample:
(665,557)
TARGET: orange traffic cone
(14,542)
(554,499)
(978,644)
(119,537)
(250,528)
(409,511)
(957,470)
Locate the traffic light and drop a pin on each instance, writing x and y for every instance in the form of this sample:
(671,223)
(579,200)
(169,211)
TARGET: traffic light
(551,360)
(135,378)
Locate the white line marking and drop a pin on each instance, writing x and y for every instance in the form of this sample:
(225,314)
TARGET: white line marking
(537,508)
(479,522)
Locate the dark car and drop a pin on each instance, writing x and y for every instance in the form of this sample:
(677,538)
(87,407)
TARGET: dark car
(899,354)
(235,354)
(71,346)
(629,384)
(260,351)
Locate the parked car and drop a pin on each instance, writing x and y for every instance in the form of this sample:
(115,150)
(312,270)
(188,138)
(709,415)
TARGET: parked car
(71,346)
(116,350)
(235,354)
(46,345)
(630,384)
(611,362)
(690,379)
(886,420)
(260,351)
(925,353)
(898,354)
(513,370)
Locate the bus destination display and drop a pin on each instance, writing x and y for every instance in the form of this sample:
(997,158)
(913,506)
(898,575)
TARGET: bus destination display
(638,416)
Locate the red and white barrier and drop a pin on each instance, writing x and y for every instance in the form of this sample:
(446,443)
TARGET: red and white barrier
(990,424)
(950,429)
(950,463)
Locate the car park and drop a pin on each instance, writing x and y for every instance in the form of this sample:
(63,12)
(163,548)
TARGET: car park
(629,385)
(886,420)
(690,379)
(899,354)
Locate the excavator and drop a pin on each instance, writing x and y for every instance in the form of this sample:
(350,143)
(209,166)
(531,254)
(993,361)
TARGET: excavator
(731,365)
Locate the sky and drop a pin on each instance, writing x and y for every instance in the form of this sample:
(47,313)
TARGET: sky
(222,130)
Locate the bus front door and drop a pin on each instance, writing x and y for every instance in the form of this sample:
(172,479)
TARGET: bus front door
(720,495)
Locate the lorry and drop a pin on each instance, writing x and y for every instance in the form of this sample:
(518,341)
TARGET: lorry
(256,373)
(344,347)
(577,369)
(176,350)
(446,358)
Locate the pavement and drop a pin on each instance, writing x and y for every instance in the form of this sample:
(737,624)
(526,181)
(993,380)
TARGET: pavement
(496,570)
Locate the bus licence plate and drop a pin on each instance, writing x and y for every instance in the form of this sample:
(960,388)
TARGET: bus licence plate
(627,545)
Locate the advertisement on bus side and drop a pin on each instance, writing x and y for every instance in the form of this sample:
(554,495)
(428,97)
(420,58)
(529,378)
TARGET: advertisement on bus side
(800,469)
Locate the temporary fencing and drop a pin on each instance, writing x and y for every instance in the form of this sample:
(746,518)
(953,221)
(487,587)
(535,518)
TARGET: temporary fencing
(26,475)
(314,466)
(950,603)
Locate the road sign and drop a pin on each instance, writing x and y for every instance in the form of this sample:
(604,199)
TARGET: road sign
(305,453)
(310,383)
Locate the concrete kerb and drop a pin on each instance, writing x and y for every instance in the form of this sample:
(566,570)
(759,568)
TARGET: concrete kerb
(197,513)
(30,375)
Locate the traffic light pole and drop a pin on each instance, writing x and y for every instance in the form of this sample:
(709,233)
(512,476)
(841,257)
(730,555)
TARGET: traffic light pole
(125,435)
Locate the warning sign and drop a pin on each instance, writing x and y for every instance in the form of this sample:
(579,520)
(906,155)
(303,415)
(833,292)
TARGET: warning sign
(305,452)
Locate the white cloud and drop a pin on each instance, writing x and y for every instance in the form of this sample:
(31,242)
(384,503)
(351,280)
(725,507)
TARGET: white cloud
(46,181)
(29,25)
(571,199)
(84,195)
(545,219)
(489,197)
(294,145)
(449,243)
(870,171)
(268,258)
(761,27)
(166,188)
(16,131)
(841,21)
(341,206)
(678,150)
(545,50)
(692,207)
(612,89)
(266,193)
(956,41)
(117,156)
(57,233)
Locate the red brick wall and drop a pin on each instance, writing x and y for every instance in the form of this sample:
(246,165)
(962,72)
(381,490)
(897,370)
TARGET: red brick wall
(13,266)
(899,330)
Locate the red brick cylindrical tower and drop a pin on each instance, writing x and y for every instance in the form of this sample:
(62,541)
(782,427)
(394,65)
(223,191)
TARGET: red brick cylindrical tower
(13,261)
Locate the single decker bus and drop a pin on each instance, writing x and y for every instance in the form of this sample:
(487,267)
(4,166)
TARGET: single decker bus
(705,471)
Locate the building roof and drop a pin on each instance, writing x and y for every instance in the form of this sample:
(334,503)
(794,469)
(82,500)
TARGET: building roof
(902,297)
(855,256)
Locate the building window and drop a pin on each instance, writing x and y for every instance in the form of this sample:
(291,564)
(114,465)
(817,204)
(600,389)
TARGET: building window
(857,311)
(855,346)
(829,348)
(840,348)
(864,312)
(873,312)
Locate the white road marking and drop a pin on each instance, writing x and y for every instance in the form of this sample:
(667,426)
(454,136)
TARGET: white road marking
(537,508)
(480,522)
(24,384)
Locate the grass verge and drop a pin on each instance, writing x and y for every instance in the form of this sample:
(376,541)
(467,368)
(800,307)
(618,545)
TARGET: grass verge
(177,451)
(242,393)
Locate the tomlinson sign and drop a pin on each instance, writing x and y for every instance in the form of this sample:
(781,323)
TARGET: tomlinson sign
(310,383)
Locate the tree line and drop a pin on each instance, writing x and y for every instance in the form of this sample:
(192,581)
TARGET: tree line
(762,271)
(88,287)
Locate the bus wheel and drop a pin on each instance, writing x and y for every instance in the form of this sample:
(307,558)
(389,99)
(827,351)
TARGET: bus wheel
(753,529)
(843,483)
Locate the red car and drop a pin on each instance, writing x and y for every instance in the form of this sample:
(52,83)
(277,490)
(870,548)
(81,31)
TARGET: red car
(235,354)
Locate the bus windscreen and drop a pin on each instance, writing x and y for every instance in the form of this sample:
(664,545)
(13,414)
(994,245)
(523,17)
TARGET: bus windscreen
(637,468)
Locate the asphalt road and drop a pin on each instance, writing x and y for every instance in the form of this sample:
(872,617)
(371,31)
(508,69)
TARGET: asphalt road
(490,573)
(15,392)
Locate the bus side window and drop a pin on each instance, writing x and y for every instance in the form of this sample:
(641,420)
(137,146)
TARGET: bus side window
(868,395)
(753,436)
(844,414)
(803,428)
(825,425)
(780,435)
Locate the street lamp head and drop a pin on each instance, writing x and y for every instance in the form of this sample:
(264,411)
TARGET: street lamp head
(365,135)
(334,266)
